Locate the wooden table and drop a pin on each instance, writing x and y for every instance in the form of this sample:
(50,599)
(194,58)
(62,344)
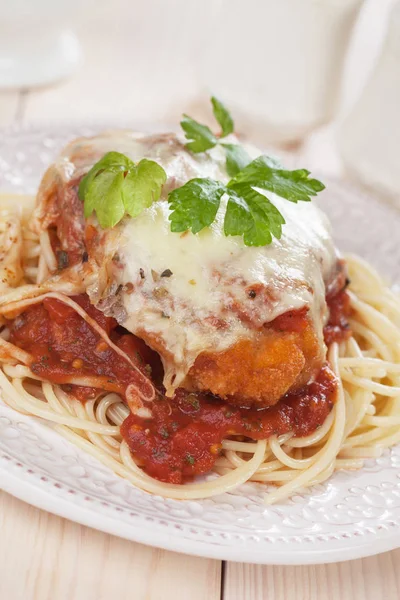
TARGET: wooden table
(43,557)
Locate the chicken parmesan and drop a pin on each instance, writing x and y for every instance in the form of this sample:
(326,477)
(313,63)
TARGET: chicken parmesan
(180,308)
(242,323)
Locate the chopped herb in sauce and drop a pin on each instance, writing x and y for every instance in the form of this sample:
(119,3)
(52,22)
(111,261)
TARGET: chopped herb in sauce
(138,357)
(190,459)
(158,453)
(62,260)
(193,401)
(166,273)
(164,433)
(160,292)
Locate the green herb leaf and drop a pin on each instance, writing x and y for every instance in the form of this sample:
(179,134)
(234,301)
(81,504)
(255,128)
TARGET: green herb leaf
(142,186)
(200,137)
(112,161)
(236,158)
(249,212)
(252,215)
(292,185)
(190,459)
(222,116)
(105,198)
(115,186)
(195,204)
(164,433)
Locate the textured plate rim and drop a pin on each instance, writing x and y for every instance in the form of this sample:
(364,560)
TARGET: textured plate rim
(155,537)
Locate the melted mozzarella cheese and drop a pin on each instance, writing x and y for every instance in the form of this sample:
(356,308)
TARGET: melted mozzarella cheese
(210,279)
(189,293)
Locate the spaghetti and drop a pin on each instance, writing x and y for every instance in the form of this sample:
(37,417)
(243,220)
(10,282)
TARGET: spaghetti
(364,420)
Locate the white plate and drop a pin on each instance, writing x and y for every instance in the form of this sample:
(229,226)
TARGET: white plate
(352,515)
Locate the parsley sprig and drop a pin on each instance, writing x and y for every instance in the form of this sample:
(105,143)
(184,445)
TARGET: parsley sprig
(116,186)
(201,138)
(248,213)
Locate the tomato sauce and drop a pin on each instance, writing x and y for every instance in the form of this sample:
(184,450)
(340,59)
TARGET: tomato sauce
(65,346)
(338,329)
(338,300)
(71,230)
(184,437)
(293,320)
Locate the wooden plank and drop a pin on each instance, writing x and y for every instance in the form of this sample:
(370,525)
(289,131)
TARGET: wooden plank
(9,102)
(44,557)
(365,579)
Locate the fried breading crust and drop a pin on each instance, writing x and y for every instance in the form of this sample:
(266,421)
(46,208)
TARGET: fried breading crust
(259,371)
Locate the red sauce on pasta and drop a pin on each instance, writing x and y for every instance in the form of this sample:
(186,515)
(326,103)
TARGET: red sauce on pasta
(184,436)
(64,346)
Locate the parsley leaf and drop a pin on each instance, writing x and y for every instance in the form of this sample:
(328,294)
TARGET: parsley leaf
(195,204)
(263,173)
(142,186)
(112,161)
(115,186)
(249,213)
(252,215)
(200,137)
(236,158)
(104,196)
(190,459)
(222,116)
